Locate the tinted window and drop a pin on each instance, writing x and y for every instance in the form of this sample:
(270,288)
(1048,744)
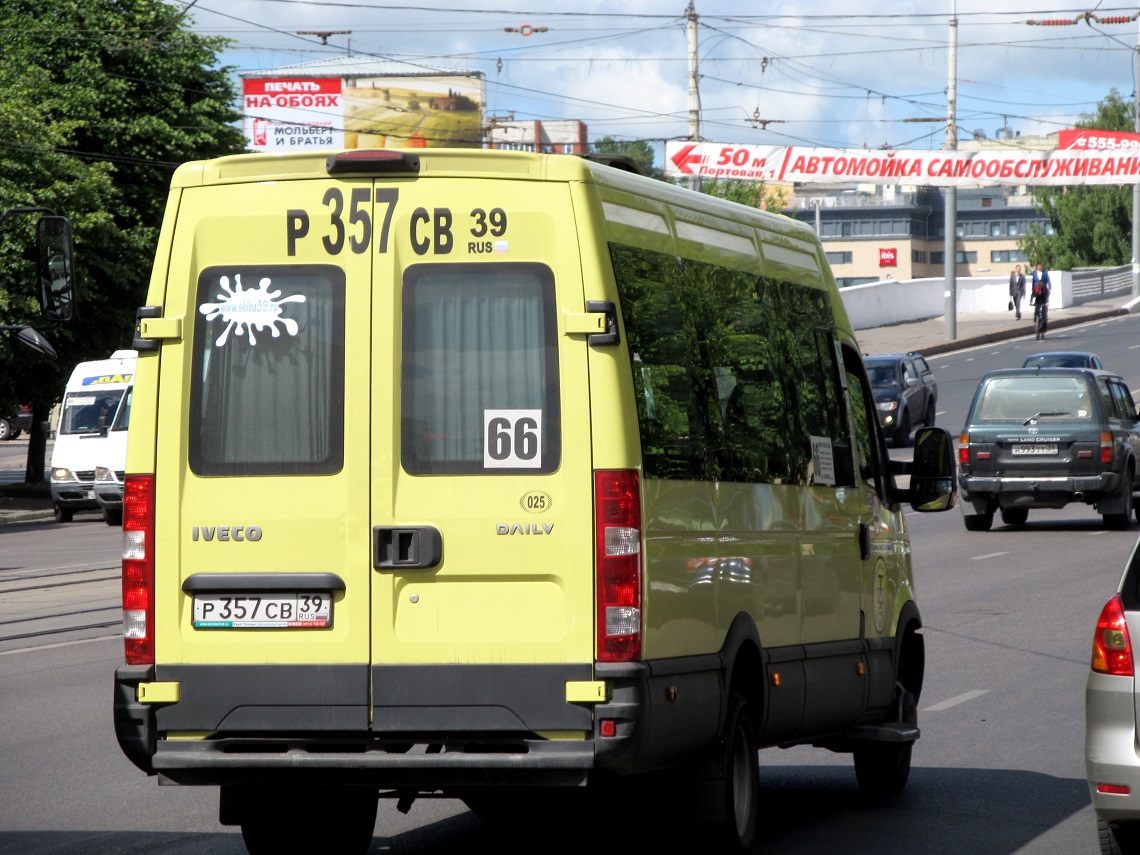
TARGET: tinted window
(1021,398)
(883,376)
(267,393)
(1124,403)
(480,370)
(736,374)
(89,411)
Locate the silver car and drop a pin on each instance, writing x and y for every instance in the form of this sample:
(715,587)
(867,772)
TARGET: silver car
(1112,760)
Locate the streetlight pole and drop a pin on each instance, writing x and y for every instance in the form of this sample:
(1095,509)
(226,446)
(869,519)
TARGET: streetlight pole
(1136,187)
(950,194)
(694,91)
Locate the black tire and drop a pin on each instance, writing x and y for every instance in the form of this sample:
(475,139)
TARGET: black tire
(1117,838)
(1014,516)
(113,517)
(883,768)
(5,430)
(267,816)
(740,796)
(978,522)
(62,515)
(901,438)
(1120,521)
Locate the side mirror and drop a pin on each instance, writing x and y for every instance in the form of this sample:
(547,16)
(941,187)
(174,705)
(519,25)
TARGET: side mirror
(55,268)
(932,483)
(36,342)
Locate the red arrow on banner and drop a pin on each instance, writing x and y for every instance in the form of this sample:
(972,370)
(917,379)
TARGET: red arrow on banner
(683,159)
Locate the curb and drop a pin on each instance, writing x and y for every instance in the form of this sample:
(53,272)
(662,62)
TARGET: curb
(17,517)
(1002,335)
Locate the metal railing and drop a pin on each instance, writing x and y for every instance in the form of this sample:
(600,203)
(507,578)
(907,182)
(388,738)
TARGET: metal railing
(1093,283)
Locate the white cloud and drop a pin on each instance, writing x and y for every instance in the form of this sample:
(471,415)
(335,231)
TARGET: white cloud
(831,72)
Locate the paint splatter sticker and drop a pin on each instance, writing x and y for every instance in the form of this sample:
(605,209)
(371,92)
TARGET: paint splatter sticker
(244,311)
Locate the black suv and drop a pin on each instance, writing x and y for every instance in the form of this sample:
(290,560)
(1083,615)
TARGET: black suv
(1045,437)
(906,393)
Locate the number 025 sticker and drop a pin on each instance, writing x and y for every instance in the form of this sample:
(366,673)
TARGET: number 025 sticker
(512,439)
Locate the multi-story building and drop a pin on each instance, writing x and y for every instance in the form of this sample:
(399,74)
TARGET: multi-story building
(873,232)
(559,136)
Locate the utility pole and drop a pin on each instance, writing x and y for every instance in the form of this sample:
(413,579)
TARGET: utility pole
(694,92)
(950,194)
(1136,187)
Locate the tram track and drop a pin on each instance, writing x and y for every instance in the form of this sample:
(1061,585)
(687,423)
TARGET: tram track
(59,604)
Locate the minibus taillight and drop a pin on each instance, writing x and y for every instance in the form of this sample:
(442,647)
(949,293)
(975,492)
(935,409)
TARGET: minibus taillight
(617,529)
(964,449)
(138,569)
(1112,649)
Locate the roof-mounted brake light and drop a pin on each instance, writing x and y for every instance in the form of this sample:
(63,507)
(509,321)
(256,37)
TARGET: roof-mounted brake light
(371,161)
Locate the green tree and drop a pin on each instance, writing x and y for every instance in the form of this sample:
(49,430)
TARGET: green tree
(754,194)
(100,100)
(640,150)
(1092,225)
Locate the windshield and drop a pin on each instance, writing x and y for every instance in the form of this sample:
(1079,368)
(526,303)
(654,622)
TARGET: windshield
(1060,360)
(883,376)
(1026,398)
(88,412)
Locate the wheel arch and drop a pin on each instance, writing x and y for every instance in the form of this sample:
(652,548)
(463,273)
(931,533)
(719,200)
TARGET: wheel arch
(743,663)
(910,649)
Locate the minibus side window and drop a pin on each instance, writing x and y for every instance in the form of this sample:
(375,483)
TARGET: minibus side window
(267,390)
(735,374)
(479,373)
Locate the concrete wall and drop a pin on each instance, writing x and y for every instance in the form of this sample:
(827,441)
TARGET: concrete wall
(895,302)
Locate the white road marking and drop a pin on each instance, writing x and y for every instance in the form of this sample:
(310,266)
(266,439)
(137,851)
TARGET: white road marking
(953,702)
(991,555)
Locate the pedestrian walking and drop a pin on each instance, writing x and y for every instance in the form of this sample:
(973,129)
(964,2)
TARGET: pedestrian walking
(1016,289)
(1039,299)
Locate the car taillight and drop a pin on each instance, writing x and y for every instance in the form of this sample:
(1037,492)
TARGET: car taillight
(964,450)
(1106,448)
(617,529)
(138,569)
(1112,651)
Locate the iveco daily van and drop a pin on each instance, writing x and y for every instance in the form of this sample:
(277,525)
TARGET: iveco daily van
(90,433)
(506,477)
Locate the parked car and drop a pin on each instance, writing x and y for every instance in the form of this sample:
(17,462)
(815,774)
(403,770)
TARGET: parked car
(14,425)
(906,393)
(1063,359)
(1045,438)
(1112,696)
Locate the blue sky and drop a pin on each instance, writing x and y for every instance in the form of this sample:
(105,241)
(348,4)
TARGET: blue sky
(846,74)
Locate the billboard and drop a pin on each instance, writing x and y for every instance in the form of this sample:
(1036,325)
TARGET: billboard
(1081,157)
(298,113)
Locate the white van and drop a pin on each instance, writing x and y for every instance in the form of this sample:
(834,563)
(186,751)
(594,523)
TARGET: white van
(92,433)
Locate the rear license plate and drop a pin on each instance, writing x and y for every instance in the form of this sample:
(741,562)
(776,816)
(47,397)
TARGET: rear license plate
(263,611)
(1034,449)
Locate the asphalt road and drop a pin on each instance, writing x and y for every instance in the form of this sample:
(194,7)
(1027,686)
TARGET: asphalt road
(1009,616)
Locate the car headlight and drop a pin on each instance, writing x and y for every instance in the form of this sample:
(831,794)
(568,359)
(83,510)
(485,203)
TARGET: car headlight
(59,473)
(102,473)
(887,406)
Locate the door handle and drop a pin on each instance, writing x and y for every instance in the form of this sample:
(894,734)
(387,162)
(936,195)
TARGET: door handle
(417,547)
(864,541)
